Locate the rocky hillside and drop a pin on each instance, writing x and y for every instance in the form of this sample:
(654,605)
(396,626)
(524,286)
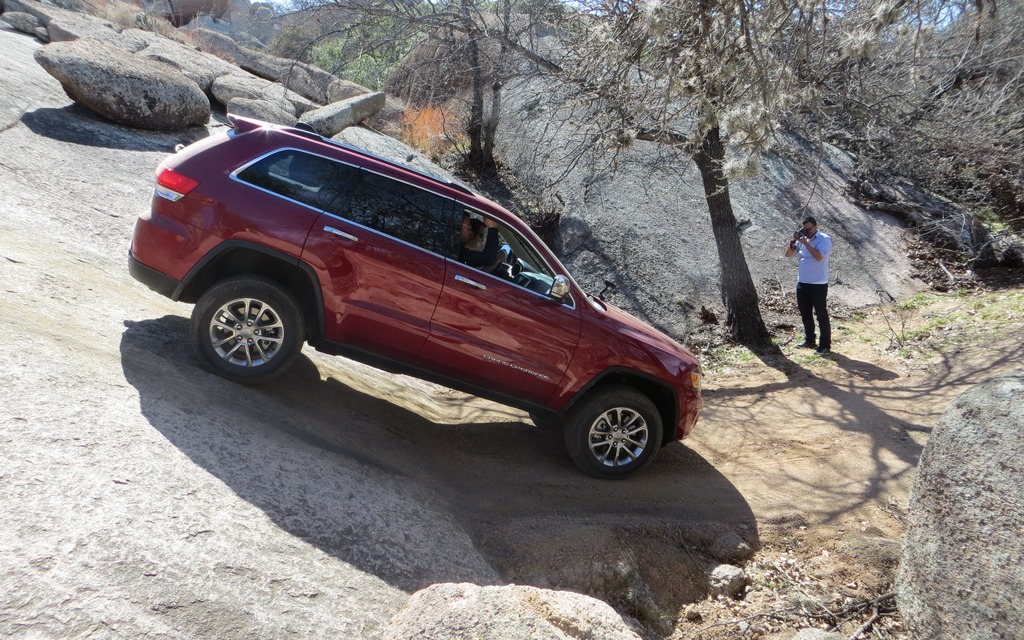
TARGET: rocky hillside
(640,218)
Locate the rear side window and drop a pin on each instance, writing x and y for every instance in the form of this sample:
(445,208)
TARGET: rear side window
(402,211)
(312,180)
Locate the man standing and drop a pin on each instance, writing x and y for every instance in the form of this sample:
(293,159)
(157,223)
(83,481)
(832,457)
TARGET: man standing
(813,248)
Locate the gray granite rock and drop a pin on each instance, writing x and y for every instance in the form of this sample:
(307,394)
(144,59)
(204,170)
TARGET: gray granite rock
(128,90)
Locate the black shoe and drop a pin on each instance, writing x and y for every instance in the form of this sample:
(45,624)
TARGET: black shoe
(806,345)
(823,351)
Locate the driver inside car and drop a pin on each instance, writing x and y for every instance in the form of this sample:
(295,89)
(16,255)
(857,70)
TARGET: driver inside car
(478,235)
(480,245)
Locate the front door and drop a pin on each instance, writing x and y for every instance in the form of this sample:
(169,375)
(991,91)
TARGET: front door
(493,333)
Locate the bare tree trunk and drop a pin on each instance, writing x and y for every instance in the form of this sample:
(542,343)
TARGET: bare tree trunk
(475,127)
(743,315)
(491,123)
(491,126)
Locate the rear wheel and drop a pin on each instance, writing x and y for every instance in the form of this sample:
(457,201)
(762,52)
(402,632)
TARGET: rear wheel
(613,432)
(247,329)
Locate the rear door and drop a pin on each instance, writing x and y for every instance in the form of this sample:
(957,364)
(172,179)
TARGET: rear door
(378,253)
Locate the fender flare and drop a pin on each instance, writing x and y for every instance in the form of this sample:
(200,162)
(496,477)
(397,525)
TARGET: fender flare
(217,252)
(671,419)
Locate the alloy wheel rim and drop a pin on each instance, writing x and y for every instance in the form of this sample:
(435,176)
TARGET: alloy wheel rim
(618,437)
(246,332)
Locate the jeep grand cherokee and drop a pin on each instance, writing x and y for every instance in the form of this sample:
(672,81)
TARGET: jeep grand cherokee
(281,237)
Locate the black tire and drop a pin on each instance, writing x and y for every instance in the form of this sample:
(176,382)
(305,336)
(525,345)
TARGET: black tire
(613,432)
(262,339)
(547,424)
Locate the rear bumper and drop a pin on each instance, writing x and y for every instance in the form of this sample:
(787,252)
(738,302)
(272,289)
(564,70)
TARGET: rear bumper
(155,280)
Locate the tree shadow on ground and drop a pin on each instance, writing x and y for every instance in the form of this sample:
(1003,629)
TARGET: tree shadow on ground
(863,370)
(511,487)
(861,399)
(78,125)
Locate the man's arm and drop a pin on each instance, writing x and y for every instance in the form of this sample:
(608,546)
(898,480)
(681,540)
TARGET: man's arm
(817,255)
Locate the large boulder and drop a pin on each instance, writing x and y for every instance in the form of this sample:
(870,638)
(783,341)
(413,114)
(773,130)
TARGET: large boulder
(330,120)
(309,81)
(219,44)
(123,88)
(75,26)
(240,84)
(962,574)
(264,110)
(201,68)
(25,23)
(457,611)
(43,12)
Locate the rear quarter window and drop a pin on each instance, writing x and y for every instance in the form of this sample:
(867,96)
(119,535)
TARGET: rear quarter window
(313,180)
(403,211)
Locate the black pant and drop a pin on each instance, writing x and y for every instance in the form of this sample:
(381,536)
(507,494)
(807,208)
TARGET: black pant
(811,299)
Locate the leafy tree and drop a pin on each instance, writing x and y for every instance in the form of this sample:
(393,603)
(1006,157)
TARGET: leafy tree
(454,43)
(928,88)
(365,51)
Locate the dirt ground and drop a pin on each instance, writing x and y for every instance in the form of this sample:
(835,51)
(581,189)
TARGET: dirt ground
(143,497)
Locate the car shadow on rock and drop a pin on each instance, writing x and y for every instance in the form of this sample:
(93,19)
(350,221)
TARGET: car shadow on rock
(645,543)
(78,125)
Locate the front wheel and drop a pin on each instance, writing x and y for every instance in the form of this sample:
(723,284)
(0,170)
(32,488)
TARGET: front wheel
(613,432)
(247,329)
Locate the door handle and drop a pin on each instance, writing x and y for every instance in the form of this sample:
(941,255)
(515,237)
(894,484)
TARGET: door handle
(339,232)
(472,283)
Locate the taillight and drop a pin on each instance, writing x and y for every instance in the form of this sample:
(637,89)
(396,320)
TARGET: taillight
(172,185)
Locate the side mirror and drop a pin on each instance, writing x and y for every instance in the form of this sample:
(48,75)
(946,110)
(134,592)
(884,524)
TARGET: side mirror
(560,287)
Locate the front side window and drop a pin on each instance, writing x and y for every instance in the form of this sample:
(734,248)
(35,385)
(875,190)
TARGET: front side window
(312,180)
(403,211)
(516,259)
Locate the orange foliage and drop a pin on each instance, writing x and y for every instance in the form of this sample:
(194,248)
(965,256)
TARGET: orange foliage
(426,129)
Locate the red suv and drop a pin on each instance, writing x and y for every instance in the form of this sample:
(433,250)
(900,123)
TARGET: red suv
(281,237)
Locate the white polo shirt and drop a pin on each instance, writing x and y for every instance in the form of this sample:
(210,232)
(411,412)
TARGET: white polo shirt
(810,270)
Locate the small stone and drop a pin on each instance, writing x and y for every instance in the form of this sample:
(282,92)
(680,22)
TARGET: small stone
(727,580)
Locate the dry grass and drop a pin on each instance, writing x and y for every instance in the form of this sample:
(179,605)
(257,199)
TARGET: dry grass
(126,15)
(429,130)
